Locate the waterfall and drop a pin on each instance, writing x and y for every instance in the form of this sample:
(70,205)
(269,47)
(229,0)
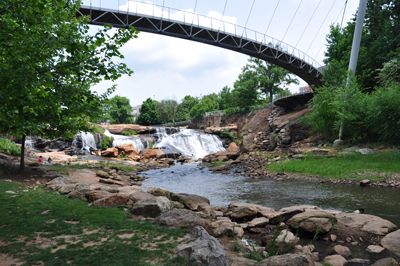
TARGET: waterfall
(30,143)
(85,141)
(121,139)
(190,143)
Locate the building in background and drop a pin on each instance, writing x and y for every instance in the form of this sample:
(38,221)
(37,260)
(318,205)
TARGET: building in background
(135,111)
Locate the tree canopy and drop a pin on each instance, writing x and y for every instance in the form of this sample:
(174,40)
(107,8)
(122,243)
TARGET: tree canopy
(148,113)
(48,64)
(120,111)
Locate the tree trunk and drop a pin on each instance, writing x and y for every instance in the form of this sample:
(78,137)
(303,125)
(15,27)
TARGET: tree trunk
(22,163)
(271,97)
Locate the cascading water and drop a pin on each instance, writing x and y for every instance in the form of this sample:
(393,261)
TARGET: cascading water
(85,140)
(121,139)
(190,143)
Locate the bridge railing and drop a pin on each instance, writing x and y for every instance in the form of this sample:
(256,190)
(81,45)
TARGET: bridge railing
(194,19)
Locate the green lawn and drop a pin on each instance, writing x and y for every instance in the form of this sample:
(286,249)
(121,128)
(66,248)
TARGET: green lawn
(376,166)
(41,227)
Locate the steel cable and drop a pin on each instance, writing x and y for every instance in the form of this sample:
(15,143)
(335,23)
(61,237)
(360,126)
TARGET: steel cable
(308,24)
(292,20)
(248,16)
(271,18)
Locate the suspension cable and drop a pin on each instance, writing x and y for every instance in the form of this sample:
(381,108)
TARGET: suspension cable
(320,27)
(249,15)
(271,18)
(194,11)
(307,24)
(223,13)
(292,20)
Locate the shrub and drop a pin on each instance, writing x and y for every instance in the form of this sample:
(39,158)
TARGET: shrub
(106,142)
(8,147)
(130,132)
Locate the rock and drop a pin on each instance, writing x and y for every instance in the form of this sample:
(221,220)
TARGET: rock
(62,180)
(191,201)
(360,261)
(102,174)
(221,168)
(301,208)
(114,200)
(365,151)
(119,128)
(308,250)
(205,249)
(110,152)
(94,195)
(310,221)
(333,237)
(151,207)
(261,210)
(156,191)
(240,261)
(230,155)
(111,182)
(78,194)
(233,148)
(167,161)
(287,260)
(375,249)
(176,218)
(392,242)
(219,130)
(149,154)
(342,250)
(128,190)
(386,262)
(286,239)
(336,260)
(139,195)
(366,223)
(128,150)
(365,182)
(67,188)
(276,217)
(258,222)
(244,212)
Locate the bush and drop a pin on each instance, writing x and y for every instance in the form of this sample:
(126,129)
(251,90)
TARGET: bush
(97,129)
(130,132)
(106,142)
(8,147)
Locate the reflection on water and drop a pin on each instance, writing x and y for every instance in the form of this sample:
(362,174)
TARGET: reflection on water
(224,189)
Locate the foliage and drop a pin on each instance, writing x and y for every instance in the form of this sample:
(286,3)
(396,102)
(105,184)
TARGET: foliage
(97,129)
(120,111)
(130,132)
(148,113)
(49,61)
(228,134)
(170,111)
(106,142)
(151,145)
(380,41)
(87,225)
(228,99)
(8,147)
(208,103)
(187,104)
(245,87)
(390,72)
(352,166)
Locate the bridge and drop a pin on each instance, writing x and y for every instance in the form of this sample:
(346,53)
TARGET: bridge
(210,31)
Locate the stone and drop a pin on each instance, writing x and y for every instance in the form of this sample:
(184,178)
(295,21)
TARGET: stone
(342,250)
(205,249)
(386,262)
(301,208)
(240,261)
(128,150)
(304,249)
(151,207)
(149,154)
(311,220)
(128,190)
(67,188)
(139,195)
(244,212)
(78,194)
(360,261)
(366,223)
(365,182)
(167,161)
(111,182)
(190,201)
(277,217)
(119,128)
(102,174)
(336,260)
(62,180)
(258,222)
(176,218)
(261,210)
(110,152)
(286,239)
(233,148)
(375,249)
(94,195)
(114,200)
(392,242)
(287,260)
(365,151)
(333,237)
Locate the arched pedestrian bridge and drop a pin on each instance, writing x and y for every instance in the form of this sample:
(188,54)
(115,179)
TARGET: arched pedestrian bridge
(190,26)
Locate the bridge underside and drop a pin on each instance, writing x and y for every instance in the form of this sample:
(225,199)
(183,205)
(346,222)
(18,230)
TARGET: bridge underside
(241,44)
(295,101)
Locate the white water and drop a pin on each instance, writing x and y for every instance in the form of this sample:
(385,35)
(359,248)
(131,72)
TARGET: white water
(190,143)
(88,141)
(121,139)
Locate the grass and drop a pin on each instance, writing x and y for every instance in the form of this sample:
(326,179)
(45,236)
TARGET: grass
(353,166)
(39,227)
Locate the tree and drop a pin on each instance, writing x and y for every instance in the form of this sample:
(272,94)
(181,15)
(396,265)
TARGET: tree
(227,99)
(186,105)
(48,63)
(148,113)
(168,110)
(120,111)
(246,90)
(208,103)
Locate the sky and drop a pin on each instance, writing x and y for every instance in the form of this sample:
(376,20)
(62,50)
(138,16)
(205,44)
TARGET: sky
(171,68)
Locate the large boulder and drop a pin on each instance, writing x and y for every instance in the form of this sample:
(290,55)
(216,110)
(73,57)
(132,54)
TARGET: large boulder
(118,129)
(128,150)
(114,200)
(156,191)
(110,152)
(310,221)
(228,228)
(190,201)
(386,262)
(214,156)
(277,217)
(78,194)
(336,260)
(139,195)
(151,207)
(233,148)
(128,190)
(260,210)
(219,130)
(94,195)
(205,249)
(149,154)
(392,242)
(366,223)
(159,153)
(287,260)
(176,218)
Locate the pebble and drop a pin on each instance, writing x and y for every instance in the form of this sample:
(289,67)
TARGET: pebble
(11,192)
